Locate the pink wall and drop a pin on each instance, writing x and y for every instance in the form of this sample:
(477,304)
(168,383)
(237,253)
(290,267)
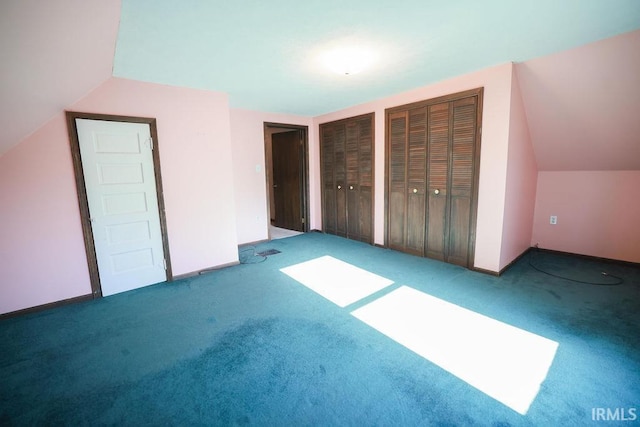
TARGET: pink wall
(583,105)
(582,108)
(493,163)
(247,135)
(42,257)
(522,176)
(195,153)
(53,53)
(42,249)
(598,213)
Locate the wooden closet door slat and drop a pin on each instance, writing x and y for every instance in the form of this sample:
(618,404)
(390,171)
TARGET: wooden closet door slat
(397,179)
(365,178)
(351,183)
(340,172)
(416,181)
(438,172)
(462,173)
(328,180)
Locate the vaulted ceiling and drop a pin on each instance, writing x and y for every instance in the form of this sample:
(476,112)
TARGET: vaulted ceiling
(265,55)
(583,105)
(53,53)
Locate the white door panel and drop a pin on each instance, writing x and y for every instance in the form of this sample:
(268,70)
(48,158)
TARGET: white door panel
(117,163)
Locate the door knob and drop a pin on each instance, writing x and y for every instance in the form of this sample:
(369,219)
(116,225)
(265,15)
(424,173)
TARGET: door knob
(436,191)
(275,185)
(339,187)
(351,187)
(415,190)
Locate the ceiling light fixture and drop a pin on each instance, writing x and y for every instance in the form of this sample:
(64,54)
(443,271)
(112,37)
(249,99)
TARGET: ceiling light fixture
(348,60)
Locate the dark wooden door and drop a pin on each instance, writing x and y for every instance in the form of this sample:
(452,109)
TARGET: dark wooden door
(432,172)
(340,177)
(397,186)
(364,181)
(347,177)
(416,181)
(287,180)
(352,180)
(438,177)
(462,171)
(407,180)
(329,186)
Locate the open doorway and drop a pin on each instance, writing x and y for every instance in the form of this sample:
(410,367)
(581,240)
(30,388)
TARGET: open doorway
(286,154)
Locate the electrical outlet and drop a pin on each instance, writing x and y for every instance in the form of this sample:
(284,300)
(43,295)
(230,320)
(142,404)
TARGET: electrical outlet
(553,220)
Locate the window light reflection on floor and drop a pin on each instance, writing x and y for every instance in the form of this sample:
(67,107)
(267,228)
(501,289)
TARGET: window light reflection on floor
(336,280)
(507,363)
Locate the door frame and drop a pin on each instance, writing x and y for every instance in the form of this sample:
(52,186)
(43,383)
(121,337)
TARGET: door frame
(304,168)
(83,203)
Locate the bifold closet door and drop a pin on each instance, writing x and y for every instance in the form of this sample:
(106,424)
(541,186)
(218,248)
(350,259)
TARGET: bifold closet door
(340,177)
(359,184)
(407,180)
(347,177)
(461,199)
(432,170)
(397,125)
(438,179)
(329,187)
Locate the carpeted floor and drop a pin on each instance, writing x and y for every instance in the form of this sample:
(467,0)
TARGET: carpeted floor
(249,345)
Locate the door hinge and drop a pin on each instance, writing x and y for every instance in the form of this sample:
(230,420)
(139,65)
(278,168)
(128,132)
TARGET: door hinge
(151,143)
(164,263)
(303,220)
(480,130)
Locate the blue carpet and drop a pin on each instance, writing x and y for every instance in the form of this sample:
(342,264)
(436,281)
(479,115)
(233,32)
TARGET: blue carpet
(248,345)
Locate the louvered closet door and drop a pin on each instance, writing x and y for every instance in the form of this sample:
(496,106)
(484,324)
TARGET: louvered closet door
(347,177)
(432,150)
(416,181)
(438,177)
(397,187)
(365,178)
(339,160)
(328,181)
(462,177)
(407,180)
(351,187)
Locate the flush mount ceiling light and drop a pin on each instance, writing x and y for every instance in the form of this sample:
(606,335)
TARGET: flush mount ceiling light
(348,60)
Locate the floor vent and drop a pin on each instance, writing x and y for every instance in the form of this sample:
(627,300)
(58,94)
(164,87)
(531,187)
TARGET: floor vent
(268,252)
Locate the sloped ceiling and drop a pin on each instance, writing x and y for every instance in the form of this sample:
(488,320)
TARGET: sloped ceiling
(52,53)
(583,106)
(264,54)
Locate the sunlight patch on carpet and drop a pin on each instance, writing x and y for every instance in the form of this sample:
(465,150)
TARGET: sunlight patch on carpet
(337,281)
(507,363)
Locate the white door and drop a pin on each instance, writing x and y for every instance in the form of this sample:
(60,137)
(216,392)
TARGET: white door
(117,163)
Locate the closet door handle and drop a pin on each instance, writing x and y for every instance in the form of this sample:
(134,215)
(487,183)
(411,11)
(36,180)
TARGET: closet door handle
(351,187)
(436,191)
(415,190)
(339,187)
